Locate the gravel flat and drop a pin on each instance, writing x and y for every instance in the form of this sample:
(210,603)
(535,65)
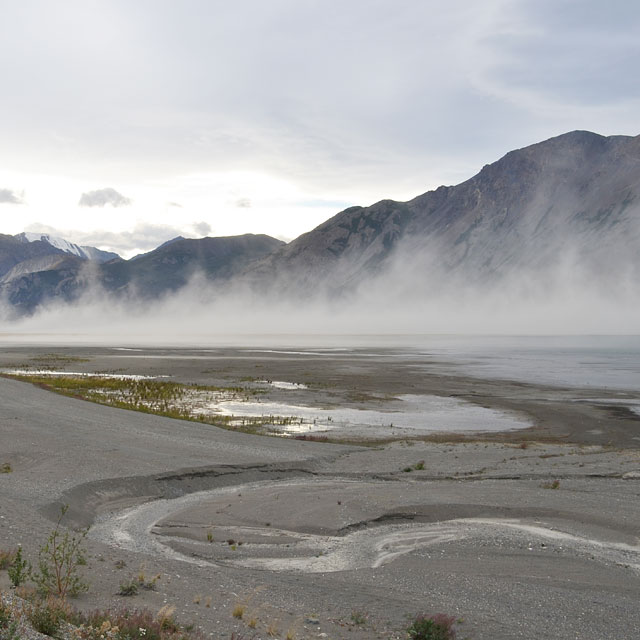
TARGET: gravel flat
(520,535)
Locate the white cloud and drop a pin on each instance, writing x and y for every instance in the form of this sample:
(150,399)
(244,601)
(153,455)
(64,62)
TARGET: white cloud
(8,196)
(102,197)
(376,100)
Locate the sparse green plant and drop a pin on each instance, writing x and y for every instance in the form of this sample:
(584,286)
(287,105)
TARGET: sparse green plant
(551,485)
(10,632)
(6,468)
(358,618)
(19,570)
(149,585)
(209,536)
(408,469)
(435,627)
(58,562)
(419,466)
(6,615)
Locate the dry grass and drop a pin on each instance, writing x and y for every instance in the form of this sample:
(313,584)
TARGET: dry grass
(7,557)
(238,611)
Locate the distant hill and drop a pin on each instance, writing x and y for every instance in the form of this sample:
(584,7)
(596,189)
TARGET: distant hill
(171,265)
(42,272)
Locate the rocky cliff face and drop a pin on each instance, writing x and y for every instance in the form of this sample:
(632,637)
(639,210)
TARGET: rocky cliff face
(571,200)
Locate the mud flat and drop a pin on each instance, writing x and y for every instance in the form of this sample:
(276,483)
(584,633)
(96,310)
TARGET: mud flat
(526,533)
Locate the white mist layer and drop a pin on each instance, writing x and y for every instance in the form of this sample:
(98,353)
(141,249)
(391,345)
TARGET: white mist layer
(187,319)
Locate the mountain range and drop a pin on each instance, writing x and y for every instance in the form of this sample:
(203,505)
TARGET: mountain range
(569,203)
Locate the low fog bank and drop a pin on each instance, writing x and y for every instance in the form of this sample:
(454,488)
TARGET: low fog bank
(393,308)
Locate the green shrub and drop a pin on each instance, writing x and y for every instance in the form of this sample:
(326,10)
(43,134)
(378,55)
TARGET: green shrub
(19,570)
(128,588)
(58,562)
(436,627)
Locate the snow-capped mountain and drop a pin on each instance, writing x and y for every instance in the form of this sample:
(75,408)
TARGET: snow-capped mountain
(88,253)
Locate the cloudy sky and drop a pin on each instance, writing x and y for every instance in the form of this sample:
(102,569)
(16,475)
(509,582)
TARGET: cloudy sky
(127,122)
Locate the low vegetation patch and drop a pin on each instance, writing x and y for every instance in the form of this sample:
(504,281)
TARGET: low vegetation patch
(170,399)
(50,615)
(434,627)
(46,616)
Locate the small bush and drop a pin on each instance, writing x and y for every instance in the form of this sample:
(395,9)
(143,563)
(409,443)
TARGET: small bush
(58,562)
(19,570)
(5,468)
(436,627)
(128,588)
(419,466)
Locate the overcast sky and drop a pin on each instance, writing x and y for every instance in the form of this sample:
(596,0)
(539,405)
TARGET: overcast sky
(126,122)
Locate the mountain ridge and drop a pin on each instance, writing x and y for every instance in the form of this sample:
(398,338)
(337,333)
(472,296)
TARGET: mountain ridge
(570,203)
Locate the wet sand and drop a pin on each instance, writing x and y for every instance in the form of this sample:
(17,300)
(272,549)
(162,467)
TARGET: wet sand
(304,534)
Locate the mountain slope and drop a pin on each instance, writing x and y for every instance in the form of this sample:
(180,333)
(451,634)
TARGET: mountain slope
(13,252)
(573,199)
